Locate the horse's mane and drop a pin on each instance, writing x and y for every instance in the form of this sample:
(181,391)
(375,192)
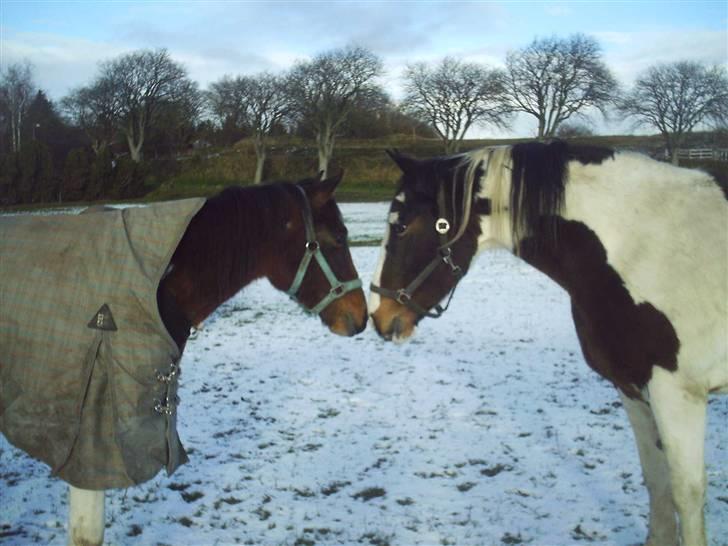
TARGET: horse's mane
(525,183)
(223,241)
(538,182)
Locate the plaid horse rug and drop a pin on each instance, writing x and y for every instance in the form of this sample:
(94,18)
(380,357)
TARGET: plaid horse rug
(88,371)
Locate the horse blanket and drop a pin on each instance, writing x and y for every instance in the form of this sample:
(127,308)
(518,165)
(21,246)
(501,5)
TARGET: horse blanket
(88,371)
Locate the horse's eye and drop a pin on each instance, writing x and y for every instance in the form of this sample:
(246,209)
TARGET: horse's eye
(341,239)
(399,229)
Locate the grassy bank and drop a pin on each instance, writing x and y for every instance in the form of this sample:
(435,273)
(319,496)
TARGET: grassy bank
(368,173)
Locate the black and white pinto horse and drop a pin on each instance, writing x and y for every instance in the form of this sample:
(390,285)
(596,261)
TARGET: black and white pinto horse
(640,246)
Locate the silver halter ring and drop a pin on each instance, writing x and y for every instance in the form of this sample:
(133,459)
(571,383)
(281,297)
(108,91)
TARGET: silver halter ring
(442,226)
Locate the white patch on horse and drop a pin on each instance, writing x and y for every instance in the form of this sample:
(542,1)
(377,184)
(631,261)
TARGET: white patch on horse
(646,221)
(495,186)
(374,298)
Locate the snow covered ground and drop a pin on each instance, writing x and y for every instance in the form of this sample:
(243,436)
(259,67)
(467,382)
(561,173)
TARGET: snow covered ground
(486,429)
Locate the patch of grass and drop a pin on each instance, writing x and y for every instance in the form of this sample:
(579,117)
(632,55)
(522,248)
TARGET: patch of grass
(467,486)
(187,522)
(305,492)
(578,533)
(495,470)
(512,539)
(192,496)
(374,539)
(370,493)
(262,513)
(407,501)
(333,487)
(328,413)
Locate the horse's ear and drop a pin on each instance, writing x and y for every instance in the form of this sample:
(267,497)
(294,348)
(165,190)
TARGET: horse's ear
(321,192)
(404,162)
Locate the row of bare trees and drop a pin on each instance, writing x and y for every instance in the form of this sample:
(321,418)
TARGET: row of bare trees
(317,95)
(554,80)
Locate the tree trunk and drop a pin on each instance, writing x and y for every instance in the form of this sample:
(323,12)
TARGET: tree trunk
(135,149)
(674,145)
(325,150)
(259,163)
(675,159)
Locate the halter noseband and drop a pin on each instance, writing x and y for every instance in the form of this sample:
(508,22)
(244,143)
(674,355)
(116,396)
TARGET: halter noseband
(403,296)
(313,250)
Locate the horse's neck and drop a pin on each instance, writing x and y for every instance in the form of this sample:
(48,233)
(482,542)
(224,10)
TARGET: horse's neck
(198,286)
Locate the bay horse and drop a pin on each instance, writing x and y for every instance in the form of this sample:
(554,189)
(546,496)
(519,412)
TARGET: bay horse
(640,246)
(290,233)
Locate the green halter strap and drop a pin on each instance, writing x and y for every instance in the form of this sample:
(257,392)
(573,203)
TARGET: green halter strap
(313,250)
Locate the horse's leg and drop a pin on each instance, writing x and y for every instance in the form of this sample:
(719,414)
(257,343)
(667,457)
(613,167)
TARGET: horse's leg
(86,520)
(680,416)
(663,527)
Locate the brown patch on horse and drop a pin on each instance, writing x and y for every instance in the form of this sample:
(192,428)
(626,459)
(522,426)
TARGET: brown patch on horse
(621,340)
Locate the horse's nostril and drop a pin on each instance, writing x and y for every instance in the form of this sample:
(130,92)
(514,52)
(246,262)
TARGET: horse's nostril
(396,326)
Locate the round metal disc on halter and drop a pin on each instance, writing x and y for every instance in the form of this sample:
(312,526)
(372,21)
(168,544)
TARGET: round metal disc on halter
(442,226)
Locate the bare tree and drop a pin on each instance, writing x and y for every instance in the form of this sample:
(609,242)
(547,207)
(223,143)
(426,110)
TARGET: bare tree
(143,82)
(676,97)
(453,96)
(17,89)
(554,79)
(257,103)
(95,109)
(326,89)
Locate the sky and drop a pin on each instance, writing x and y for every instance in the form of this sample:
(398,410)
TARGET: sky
(66,41)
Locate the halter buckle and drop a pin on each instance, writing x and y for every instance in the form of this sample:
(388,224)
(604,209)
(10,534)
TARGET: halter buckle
(312,246)
(403,296)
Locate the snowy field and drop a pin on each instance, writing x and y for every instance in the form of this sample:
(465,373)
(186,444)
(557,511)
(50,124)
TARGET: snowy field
(486,429)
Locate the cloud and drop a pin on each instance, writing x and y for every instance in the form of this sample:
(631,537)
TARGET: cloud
(630,53)
(558,10)
(60,63)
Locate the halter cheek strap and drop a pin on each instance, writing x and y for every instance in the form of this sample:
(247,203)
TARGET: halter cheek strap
(313,251)
(444,254)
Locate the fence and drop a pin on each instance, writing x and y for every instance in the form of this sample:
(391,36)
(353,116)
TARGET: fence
(704,153)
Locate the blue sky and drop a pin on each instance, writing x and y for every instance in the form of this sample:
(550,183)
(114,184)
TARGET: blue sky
(65,41)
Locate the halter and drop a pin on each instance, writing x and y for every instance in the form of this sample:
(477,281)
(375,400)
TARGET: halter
(313,250)
(403,296)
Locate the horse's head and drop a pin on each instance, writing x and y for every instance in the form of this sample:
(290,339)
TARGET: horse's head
(315,266)
(432,235)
